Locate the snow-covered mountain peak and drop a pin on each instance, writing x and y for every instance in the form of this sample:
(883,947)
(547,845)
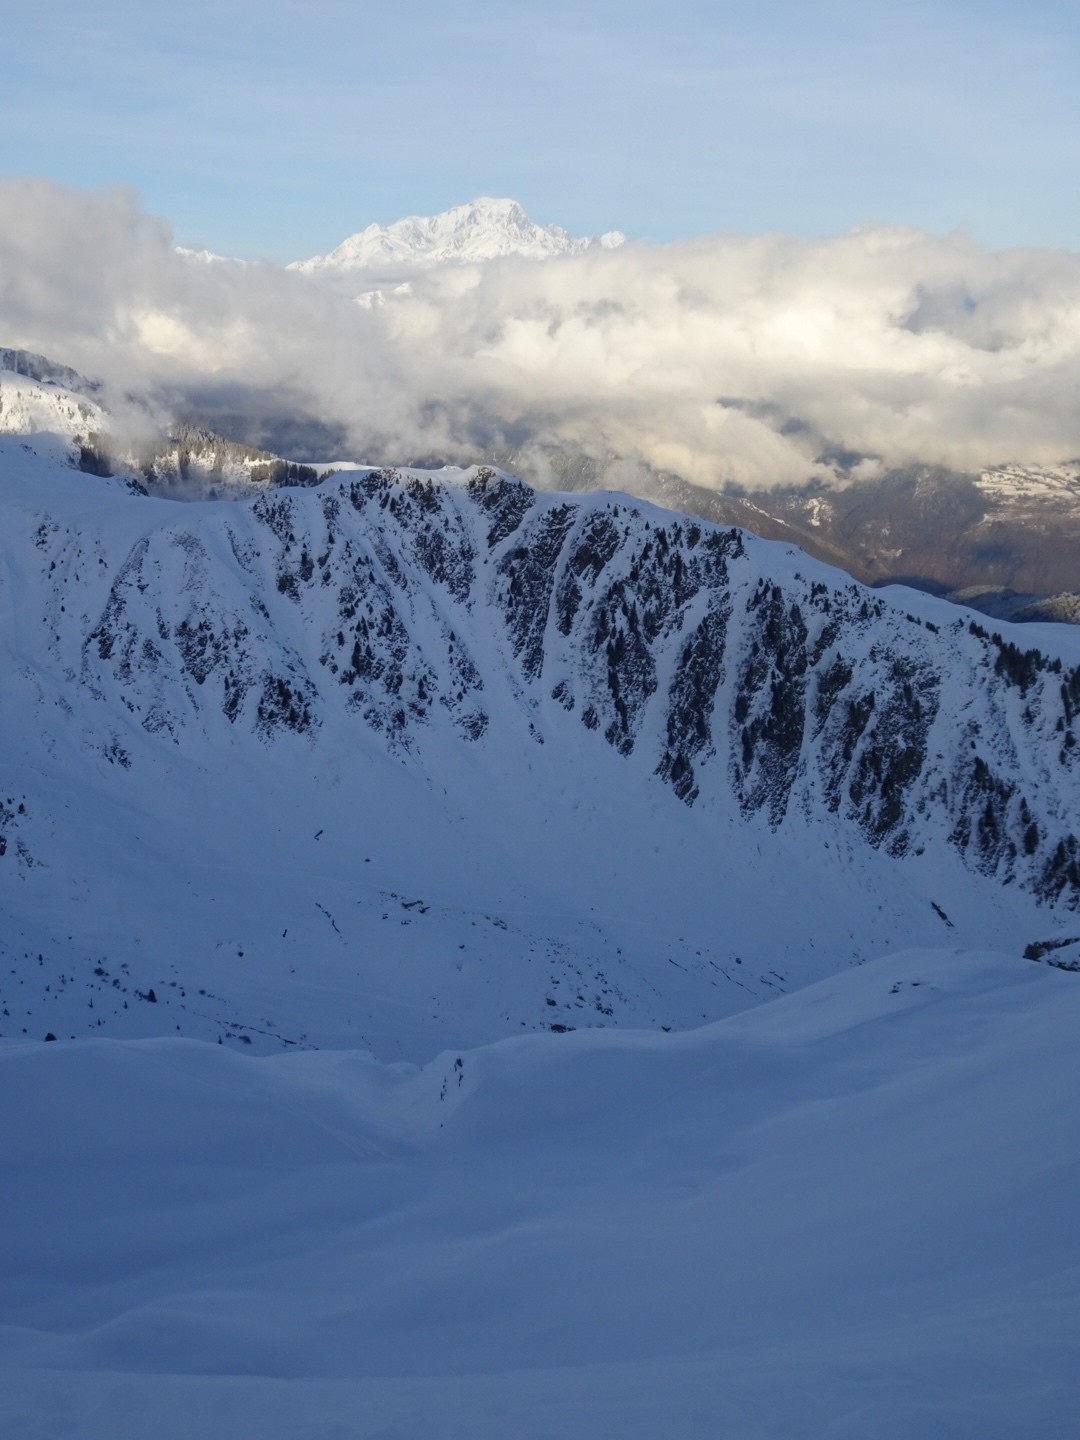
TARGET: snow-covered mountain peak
(483,229)
(211,257)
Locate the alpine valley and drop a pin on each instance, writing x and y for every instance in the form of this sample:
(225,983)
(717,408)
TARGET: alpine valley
(521,963)
(1001,537)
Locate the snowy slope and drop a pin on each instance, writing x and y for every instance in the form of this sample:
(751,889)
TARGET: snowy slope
(321,809)
(406,761)
(1019,485)
(848,1213)
(37,398)
(67,417)
(484,229)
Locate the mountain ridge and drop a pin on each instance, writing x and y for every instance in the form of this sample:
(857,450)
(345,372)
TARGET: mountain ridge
(1002,541)
(508,758)
(164,456)
(480,230)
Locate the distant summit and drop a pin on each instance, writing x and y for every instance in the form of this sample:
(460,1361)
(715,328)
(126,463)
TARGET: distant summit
(484,229)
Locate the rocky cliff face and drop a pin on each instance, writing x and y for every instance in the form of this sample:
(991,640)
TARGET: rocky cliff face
(739,673)
(403,760)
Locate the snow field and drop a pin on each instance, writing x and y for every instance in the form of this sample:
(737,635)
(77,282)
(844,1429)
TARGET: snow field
(844,1213)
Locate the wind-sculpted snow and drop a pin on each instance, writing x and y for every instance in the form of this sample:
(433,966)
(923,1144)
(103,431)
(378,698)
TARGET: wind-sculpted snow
(398,650)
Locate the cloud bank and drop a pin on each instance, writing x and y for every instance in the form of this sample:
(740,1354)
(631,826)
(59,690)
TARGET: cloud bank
(753,361)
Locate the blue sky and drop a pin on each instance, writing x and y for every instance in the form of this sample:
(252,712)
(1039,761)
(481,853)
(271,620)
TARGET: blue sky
(276,129)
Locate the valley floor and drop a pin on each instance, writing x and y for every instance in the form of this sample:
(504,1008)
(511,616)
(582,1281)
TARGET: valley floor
(846,1213)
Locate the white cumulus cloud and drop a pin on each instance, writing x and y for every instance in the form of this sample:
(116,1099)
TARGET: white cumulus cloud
(754,360)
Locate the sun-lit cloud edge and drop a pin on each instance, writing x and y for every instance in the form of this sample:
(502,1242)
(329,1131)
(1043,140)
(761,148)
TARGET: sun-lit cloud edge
(746,360)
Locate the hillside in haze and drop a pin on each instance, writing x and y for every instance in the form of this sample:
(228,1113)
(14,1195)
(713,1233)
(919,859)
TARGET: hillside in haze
(1006,540)
(897,400)
(1003,540)
(1007,535)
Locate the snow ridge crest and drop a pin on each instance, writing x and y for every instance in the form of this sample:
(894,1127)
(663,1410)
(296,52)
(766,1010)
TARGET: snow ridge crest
(484,229)
(737,673)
